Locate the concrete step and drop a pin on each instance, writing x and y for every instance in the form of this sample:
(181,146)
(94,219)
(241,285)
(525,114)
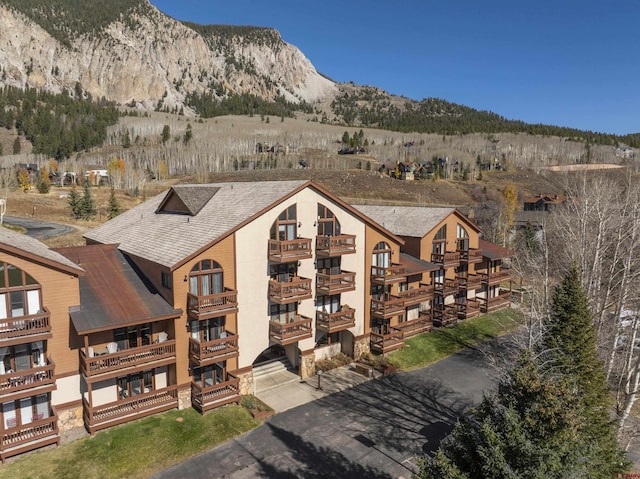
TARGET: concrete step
(271,367)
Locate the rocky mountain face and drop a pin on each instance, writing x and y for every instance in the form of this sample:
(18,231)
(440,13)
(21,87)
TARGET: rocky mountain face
(145,57)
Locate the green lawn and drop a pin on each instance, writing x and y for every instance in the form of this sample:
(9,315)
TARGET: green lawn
(431,347)
(135,450)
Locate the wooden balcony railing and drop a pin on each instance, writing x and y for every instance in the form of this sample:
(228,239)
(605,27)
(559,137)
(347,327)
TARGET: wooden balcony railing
(417,295)
(444,315)
(212,304)
(384,343)
(125,410)
(387,275)
(448,260)
(27,437)
(387,308)
(423,324)
(291,250)
(469,281)
(215,350)
(297,289)
(27,379)
(210,397)
(329,246)
(25,325)
(128,358)
(468,309)
(503,300)
(287,333)
(338,321)
(496,277)
(472,255)
(446,288)
(335,283)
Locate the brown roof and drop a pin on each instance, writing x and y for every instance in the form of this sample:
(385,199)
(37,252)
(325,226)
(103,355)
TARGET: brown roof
(549,199)
(112,292)
(494,251)
(415,265)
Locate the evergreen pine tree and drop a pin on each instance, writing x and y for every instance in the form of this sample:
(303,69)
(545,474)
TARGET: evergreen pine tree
(529,429)
(88,208)
(114,206)
(569,344)
(74,202)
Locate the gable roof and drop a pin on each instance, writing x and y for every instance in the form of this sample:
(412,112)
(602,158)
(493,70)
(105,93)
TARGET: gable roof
(112,292)
(24,246)
(413,221)
(494,251)
(170,239)
(187,199)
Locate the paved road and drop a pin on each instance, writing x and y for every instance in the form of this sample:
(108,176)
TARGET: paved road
(38,229)
(373,430)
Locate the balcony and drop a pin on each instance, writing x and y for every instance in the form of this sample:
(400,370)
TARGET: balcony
(469,281)
(472,255)
(468,309)
(335,283)
(447,260)
(445,315)
(385,343)
(330,246)
(334,322)
(388,275)
(35,324)
(37,377)
(387,308)
(446,288)
(497,277)
(287,333)
(152,355)
(125,410)
(296,289)
(213,351)
(210,397)
(503,300)
(291,250)
(414,327)
(212,305)
(27,437)
(418,295)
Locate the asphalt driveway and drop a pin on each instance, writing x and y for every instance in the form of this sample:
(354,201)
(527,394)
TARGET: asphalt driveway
(373,430)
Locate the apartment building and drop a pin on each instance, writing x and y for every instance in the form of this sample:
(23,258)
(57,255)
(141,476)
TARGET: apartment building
(173,303)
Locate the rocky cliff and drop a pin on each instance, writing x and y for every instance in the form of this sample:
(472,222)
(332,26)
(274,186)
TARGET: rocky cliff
(143,56)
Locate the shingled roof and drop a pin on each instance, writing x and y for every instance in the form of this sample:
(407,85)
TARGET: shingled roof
(32,249)
(112,292)
(413,221)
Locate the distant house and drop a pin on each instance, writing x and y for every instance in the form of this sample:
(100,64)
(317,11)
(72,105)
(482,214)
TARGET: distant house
(543,202)
(97,177)
(404,170)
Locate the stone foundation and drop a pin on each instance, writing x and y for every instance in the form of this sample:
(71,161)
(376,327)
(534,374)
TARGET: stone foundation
(307,365)
(246,383)
(361,345)
(69,419)
(184,398)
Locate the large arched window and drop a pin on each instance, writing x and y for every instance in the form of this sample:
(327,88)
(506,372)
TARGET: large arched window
(206,278)
(285,227)
(440,241)
(462,238)
(381,255)
(328,224)
(19,293)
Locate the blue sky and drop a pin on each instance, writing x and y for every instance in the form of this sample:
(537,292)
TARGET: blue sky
(564,62)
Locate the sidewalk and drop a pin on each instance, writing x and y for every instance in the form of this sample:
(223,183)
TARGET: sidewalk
(294,393)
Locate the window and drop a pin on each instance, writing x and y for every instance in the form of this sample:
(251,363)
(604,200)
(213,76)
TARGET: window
(19,293)
(462,238)
(328,304)
(206,278)
(207,330)
(25,411)
(283,272)
(381,255)
(328,224)
(22,357)
(329,265)
(440,241)
(133,336)
(135,384)
(285,227)
(167,282)
(210,375)
(283,313)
